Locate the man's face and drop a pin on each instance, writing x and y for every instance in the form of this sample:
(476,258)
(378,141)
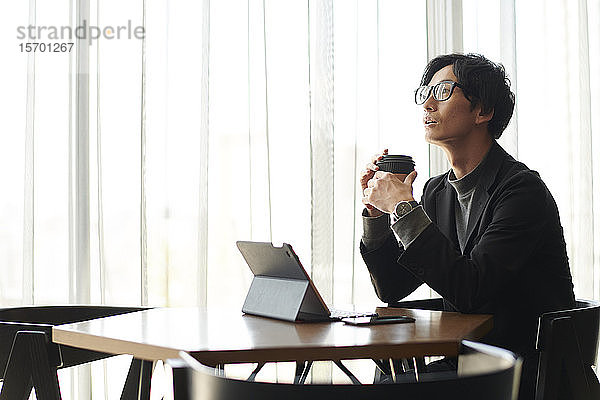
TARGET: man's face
(450,120)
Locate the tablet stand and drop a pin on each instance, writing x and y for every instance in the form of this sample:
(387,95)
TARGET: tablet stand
(279,298)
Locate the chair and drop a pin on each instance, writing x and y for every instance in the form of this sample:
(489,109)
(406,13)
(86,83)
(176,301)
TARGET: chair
(28,358)
(485,372)
(568,344)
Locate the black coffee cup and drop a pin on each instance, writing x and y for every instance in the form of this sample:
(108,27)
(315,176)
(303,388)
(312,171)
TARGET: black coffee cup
(396,164)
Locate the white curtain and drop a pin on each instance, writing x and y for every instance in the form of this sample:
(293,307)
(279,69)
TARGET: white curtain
(552,56)
(130,167)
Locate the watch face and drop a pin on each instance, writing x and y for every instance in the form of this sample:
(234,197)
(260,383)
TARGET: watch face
(402,208)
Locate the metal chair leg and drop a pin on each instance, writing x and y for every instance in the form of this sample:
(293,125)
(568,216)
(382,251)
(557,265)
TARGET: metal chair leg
(29,368)
(349,374)
(137,384)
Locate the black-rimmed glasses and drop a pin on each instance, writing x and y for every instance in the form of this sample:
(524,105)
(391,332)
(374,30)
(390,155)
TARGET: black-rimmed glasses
(441,91)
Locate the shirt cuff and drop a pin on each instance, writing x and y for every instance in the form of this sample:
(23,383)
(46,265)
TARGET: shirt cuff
(375,230)
(410,226)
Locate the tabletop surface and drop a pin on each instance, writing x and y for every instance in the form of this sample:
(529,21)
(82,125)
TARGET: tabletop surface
(227,336)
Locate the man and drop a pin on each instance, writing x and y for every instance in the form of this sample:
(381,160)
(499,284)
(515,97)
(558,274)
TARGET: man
(487,235)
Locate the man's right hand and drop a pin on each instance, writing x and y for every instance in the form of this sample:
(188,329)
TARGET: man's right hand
(367,175)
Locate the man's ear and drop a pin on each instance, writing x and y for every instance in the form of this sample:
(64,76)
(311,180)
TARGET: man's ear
(482,116)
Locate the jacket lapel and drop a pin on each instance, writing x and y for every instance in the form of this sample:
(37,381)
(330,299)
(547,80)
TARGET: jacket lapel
(445,203)
(480,199)
(482,192)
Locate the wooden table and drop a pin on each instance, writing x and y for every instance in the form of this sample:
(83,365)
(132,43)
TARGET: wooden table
(221,336)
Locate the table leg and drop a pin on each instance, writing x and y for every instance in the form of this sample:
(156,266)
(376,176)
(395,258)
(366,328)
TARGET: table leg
(416,369)
(381,371)
(419,366)
(300,365)
(137,384)
(302,368)
(393,370)
(252,376)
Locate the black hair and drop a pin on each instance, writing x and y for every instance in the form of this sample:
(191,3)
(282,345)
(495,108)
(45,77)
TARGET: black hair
(484,82)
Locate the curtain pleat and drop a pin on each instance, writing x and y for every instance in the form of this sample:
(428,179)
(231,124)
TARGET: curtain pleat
(580,149)
(594,46)
(143,211)
(79,240)
(99,182)
(203,234)
(356,192)
(259,153)
(28,294)
(321,149)
(508,55)
(79,224)
(320,41)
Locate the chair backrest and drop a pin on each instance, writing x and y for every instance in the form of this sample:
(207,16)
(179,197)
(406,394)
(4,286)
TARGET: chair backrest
(496,380)
(567,341)
(41,319)
(586,321)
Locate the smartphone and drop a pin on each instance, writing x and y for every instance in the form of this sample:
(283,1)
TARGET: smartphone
(363,321)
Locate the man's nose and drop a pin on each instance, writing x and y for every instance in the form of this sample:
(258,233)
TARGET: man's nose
(430,103)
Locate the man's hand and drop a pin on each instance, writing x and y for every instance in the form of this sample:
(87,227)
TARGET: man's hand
(368,174)
(385,190)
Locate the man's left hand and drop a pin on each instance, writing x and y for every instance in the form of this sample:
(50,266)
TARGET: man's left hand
(385,190)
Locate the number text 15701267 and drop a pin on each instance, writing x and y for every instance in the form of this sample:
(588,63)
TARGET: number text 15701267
(33,47)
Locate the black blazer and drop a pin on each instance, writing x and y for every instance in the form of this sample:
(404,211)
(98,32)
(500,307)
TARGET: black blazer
(514,264)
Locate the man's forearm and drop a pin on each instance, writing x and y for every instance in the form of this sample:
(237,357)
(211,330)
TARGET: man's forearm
(376,230)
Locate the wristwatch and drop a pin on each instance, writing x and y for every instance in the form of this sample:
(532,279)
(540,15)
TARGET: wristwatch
(404,207)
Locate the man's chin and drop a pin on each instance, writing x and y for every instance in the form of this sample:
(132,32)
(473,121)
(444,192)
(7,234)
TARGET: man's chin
(441,142)
(432,138)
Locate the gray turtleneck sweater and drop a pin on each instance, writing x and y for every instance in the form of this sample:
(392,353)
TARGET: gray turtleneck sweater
(465,189)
